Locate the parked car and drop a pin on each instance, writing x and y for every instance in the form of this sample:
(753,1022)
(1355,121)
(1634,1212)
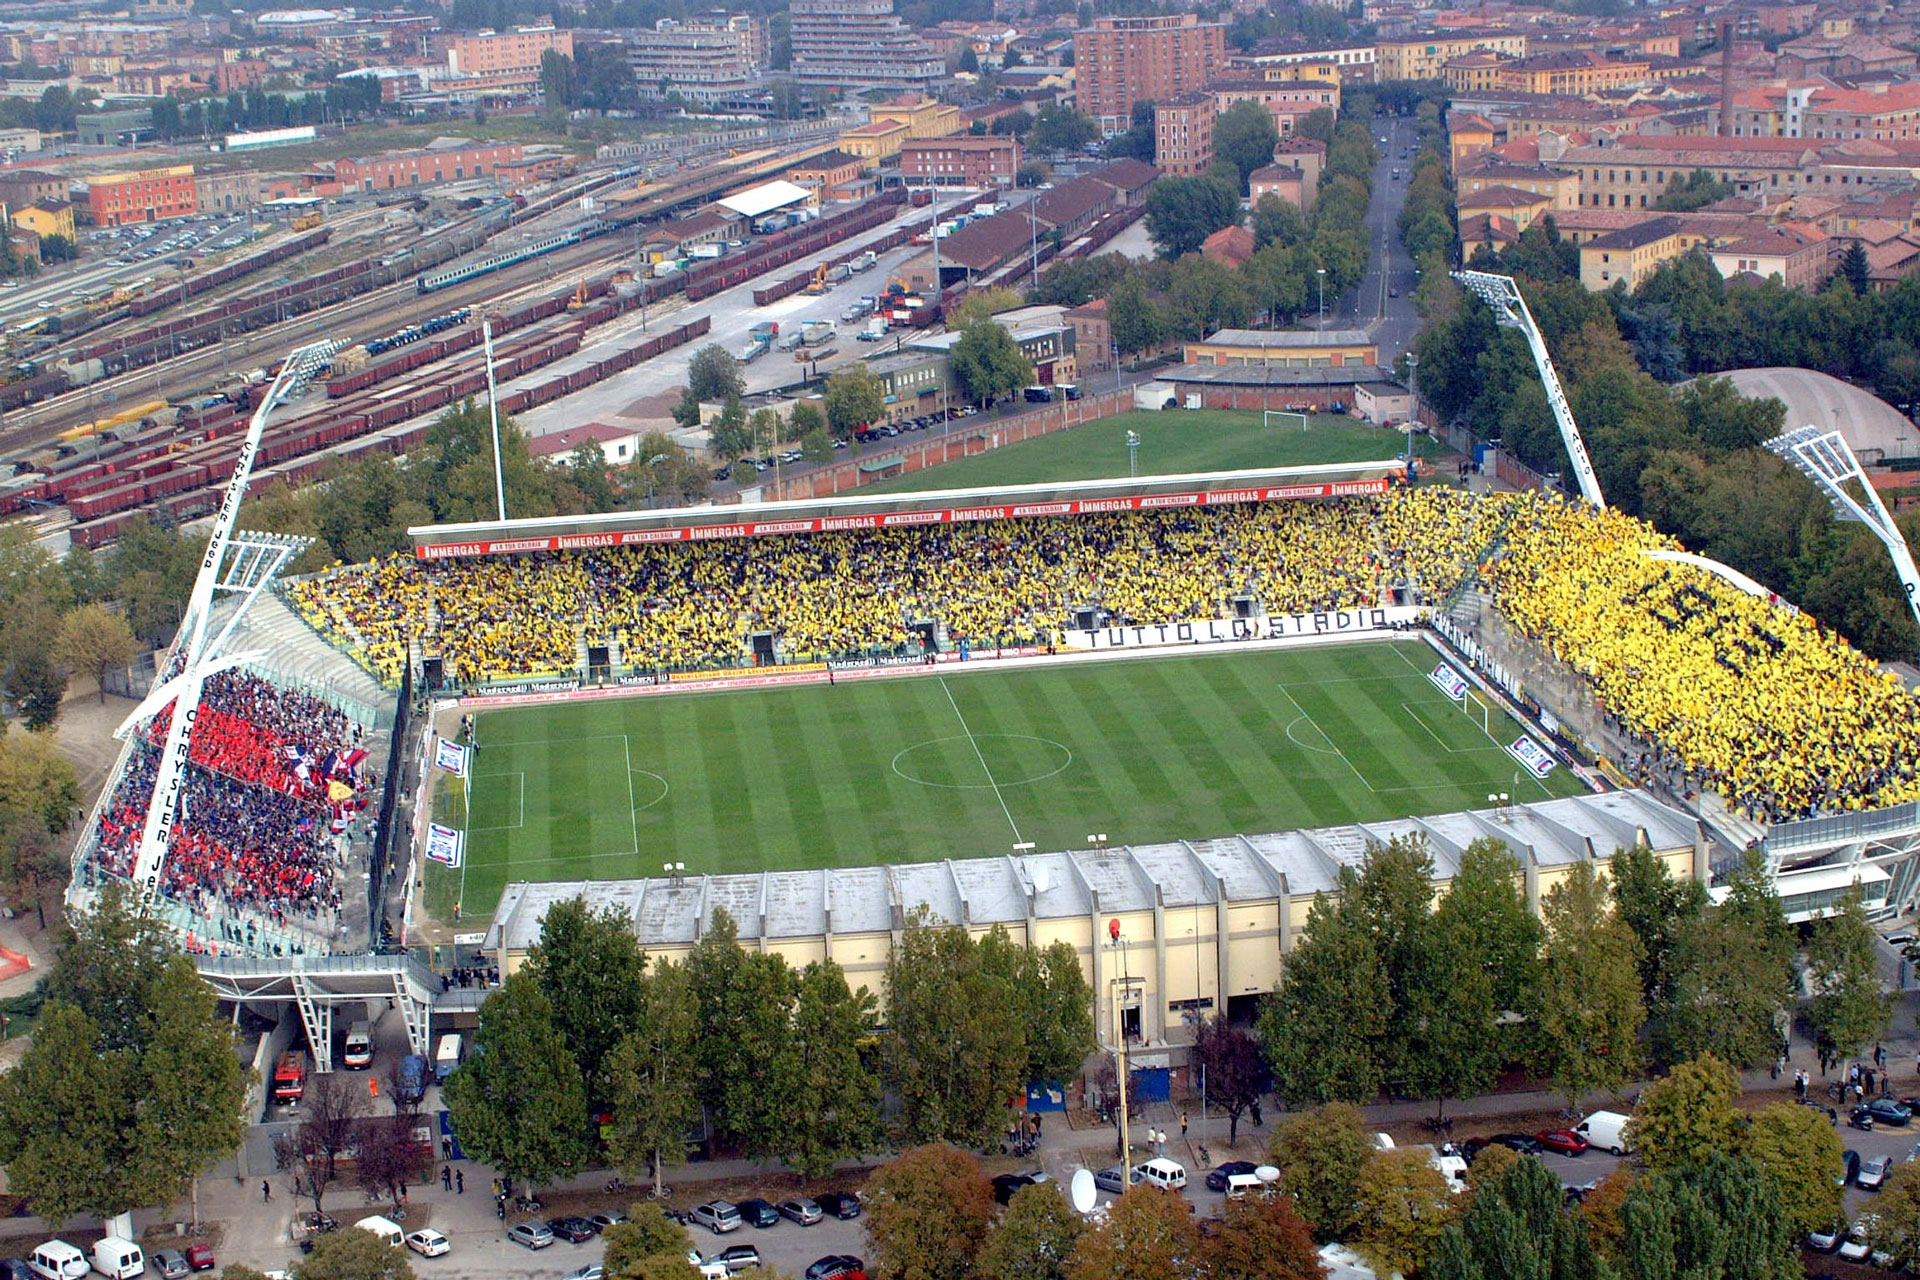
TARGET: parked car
(800,1210)
(1888,1111)
(428,1243)
(1873,1173)
(717,1216)
(16,1269)
(758,1213)
(200,1257)
(1008,1185)
(607,1218)
(1115,1179)
(168,1264)
(1564,1141)
(837,1266)
(738,1257)
(534,1235)
(572,1230)
(844,1205)
(1218,1175)
(1827,1239)
(1855,1247)
(592,1271)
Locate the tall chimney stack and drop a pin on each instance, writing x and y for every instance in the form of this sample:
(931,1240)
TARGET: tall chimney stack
(1726,78)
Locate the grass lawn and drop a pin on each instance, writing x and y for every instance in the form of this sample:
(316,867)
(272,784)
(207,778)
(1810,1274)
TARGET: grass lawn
(967,764)
(1171,442)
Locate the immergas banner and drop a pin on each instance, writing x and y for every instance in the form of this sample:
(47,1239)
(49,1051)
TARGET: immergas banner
(444,844)
(1448,681)
(452,757)
(1535,757)
(1274,626)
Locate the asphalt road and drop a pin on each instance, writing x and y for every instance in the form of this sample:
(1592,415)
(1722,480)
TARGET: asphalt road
(1371,305)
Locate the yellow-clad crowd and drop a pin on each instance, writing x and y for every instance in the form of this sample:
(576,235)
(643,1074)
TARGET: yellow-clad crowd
(1751,700)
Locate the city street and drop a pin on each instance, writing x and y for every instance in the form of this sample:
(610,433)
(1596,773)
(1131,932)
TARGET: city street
(1372,304)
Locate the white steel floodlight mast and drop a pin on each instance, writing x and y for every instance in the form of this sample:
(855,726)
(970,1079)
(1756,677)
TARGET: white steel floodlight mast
(192,649)
(1825,458)
(1510,312)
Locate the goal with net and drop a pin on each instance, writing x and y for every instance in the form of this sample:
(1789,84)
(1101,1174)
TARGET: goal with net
(1283,419)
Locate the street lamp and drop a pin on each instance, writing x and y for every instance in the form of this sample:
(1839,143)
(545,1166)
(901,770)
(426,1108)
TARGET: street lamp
(1133,453)
(650,464)
(1322,273)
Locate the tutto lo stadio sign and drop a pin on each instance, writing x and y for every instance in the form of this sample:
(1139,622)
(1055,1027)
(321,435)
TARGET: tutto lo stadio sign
(1275,626)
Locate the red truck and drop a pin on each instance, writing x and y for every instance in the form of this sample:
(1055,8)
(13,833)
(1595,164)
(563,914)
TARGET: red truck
(290,1077)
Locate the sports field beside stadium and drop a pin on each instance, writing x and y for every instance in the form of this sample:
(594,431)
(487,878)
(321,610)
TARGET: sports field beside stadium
(1171,442)
(969,763)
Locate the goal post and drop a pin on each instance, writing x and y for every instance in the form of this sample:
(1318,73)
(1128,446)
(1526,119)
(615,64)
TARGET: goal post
(1477,709)
(1284,419)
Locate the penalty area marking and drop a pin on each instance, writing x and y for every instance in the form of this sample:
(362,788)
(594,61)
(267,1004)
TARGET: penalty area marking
(648,773)
(520,792)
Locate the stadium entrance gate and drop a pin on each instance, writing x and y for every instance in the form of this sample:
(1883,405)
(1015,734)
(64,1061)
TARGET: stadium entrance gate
(317,985)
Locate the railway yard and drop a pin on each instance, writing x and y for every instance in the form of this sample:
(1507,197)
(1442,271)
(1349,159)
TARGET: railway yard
(137,402)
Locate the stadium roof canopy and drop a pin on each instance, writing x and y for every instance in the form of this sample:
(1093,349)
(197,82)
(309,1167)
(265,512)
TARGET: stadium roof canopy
(765,198)
(853,510)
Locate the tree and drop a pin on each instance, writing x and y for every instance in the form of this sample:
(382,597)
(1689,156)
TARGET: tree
(1393,896)
(1895,1229)
(1727,1210)
(1402,1204)
(1133,318)
(557,80)
(755,1101)
(1799,1147)
(1031,173)
(1658,909)
(353,1254)
(1059,127)
(390,1155)
(36,688)
(588,470)
(1148,1235)
(816,446)
(1590,1010)
(1850,1004)
(518,1101)
(1485,916)
(1058,1013)
(1734,978)
(647,1233)
(1853,269)
(713,375)
(970,64)
(988,364)
(712,967)
(1687,1115)
(1320,1153)
(1277,221)
(979,304)
(661,469)
(1262,1238)
(58,248)
(958,1048)
(589,966)
(804,420)
(97,640)
(131,1088)
(836,1100)
(855,398)
(927,1213)
(1244,136)
(1230,1060)
(1686,193)
(333,1107)
(1034,1238)
(651,1078)
(1321,1029)
(1183,212)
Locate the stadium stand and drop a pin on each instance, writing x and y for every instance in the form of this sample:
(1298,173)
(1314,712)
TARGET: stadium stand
(1750,700)
(273,775)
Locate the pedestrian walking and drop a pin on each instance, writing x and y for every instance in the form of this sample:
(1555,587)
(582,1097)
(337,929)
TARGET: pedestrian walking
(1880,1056)
(266,1191)
(1256,1115)
(446,1178)
(459,1182)
(1183,1124)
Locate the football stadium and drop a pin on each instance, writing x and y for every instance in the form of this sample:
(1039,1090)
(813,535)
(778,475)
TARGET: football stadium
(1179,703)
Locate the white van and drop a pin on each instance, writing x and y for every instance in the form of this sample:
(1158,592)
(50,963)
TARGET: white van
(118,1258)
(1243,1184)
(57,1260)
(1606,1130)
(1161,1172)
(446,1057)
(385,1228)
(359,1050)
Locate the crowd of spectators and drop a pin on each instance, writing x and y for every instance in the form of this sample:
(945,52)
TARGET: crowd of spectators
(1747,699)
(272,775)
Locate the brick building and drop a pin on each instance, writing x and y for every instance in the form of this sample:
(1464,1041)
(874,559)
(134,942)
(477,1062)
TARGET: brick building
(145,195)
(960,162)
(1122,61)
(1183,135)
(421,168)
(22,187)
(1287,101)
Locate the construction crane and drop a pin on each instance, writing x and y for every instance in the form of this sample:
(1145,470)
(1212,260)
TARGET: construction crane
(1510,312)
(196,654)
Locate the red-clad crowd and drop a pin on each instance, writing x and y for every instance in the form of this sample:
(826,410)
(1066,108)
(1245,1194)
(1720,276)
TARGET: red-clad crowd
(273,774)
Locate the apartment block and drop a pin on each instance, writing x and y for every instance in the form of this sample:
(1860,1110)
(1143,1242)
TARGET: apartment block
(960,162)
(1287,101)
(704,61)
(1424,57)
(859,44)
(1122,61)
(145,195)
(1183,134)
(489,53)
(1349,63)
(1573,73)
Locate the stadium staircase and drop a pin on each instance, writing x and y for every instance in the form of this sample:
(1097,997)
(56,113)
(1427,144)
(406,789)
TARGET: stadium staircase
(299,653)
(1489,550)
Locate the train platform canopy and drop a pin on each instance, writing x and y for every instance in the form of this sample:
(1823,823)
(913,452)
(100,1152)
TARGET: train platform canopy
(765,198)
(852,510)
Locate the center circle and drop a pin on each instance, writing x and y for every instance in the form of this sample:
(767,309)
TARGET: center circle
(1033,759)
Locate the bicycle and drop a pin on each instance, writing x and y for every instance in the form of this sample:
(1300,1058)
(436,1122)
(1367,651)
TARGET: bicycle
(616,1185)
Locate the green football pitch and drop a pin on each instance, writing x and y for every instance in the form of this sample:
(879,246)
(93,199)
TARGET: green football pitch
(969,763)
(1171,442)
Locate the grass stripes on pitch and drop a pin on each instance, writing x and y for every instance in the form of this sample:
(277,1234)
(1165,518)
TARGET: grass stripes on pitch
(970,763)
